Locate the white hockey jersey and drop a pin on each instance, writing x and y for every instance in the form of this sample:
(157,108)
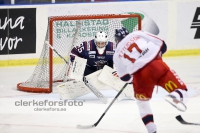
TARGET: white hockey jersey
(134,52)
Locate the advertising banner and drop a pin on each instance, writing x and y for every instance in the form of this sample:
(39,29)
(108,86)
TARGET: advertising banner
(18,31)
(188,24)
(152,21)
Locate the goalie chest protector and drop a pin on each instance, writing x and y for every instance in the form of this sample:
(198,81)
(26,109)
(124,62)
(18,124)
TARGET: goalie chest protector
(95,60)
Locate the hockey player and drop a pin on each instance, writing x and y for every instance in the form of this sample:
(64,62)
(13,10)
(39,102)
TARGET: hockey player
(138,61)
(98,52)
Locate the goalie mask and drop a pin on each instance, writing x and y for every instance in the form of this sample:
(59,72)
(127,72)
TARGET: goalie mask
(101,40)
(120,34)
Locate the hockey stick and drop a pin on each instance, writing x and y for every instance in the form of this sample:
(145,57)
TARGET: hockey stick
(46,42)
(95,91)
(95,124)
(91,87)
(180,119)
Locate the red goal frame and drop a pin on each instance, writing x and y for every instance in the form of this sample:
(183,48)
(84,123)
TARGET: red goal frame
(75,17)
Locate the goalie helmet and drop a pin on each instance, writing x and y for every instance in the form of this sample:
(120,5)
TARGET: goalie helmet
(120,34)
(101,40)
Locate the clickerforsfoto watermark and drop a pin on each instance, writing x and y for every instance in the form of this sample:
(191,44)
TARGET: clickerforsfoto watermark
(48,105)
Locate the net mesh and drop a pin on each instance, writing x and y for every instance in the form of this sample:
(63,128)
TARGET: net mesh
(65,32)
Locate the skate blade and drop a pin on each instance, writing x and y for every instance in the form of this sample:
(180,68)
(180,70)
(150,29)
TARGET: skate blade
(176,103)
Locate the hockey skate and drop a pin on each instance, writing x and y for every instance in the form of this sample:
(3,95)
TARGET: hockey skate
(176,103)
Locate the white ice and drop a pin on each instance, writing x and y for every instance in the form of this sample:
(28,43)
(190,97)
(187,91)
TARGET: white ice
(122,117)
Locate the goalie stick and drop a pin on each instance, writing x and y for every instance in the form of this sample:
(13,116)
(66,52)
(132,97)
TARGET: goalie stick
(95,91)
(91,87)
(95,124)
(180,119)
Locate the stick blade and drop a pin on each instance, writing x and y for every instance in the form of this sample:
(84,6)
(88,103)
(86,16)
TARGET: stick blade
(85,127)
(182,121)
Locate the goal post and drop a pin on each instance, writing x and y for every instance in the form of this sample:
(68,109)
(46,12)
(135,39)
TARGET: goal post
(65,32)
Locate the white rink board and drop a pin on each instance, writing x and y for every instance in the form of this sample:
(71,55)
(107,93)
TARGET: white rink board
(173,19)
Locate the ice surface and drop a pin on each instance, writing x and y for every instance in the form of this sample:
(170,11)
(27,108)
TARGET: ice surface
(22,112)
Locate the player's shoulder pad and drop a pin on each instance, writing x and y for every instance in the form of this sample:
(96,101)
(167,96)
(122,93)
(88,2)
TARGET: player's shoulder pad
(110,46)
(86,45)
(91,45)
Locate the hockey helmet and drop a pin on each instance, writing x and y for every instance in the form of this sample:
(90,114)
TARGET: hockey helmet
(120,34)
(101,39)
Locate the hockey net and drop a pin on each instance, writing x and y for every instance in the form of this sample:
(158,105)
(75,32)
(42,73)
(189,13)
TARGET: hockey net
(65,32)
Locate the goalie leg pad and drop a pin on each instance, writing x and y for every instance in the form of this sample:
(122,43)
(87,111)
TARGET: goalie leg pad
(72,89)
(93,79)
(116,83)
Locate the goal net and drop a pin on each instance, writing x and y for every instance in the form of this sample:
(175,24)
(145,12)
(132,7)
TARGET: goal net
(65,32)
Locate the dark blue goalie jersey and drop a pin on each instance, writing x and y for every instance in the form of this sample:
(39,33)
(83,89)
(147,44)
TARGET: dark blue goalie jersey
(96,61)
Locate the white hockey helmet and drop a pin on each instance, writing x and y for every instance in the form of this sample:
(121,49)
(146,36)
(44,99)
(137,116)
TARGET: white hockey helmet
(101,39)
